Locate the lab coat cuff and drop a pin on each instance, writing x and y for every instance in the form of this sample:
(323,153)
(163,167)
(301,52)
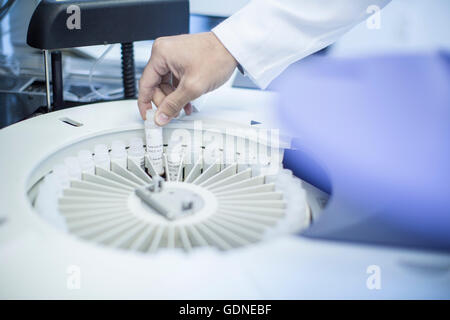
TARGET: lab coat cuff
(242,45)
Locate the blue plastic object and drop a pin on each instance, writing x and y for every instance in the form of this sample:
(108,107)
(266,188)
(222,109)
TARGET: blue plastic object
(375,132)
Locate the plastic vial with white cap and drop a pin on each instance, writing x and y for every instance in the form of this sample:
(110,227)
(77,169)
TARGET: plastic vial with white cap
(86,162)
(119,153)
(154,141)
(136,151)
(174,158)
(101,157)
(242,156)
(192,155)
(46,202)
(62,176)
(73,168)
(211,154)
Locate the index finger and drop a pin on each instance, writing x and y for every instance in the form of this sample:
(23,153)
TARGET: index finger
(150,79)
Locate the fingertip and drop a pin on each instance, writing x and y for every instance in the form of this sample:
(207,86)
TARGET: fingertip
(143,107)
(141,112)
(144,114)
(188,109)
(161,119)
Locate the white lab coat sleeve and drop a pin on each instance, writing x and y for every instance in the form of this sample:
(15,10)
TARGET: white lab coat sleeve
(266,36)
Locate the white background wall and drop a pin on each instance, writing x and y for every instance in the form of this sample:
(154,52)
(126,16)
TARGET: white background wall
(222,8)
(406,25)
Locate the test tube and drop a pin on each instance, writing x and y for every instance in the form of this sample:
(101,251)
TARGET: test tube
(174,158)
(154,141)
(86,162)
(101,157)
(62,176)
(136,152)
(119,153)
(73,168)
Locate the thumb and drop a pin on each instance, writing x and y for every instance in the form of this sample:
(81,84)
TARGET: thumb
(172,105)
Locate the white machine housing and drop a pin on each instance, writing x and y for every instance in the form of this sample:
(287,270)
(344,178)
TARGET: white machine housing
(39,261)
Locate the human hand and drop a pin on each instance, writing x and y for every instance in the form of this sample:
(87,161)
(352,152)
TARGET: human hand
(181,69)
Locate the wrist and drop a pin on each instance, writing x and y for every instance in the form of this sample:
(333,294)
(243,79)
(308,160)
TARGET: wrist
(227,54)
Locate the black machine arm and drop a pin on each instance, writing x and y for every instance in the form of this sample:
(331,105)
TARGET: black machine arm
(58,24)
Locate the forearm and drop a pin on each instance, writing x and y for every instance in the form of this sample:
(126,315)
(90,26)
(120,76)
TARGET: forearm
(266,36)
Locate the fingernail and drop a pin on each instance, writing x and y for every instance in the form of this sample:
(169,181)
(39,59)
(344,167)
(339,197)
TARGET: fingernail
(162,119)
(188,109)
